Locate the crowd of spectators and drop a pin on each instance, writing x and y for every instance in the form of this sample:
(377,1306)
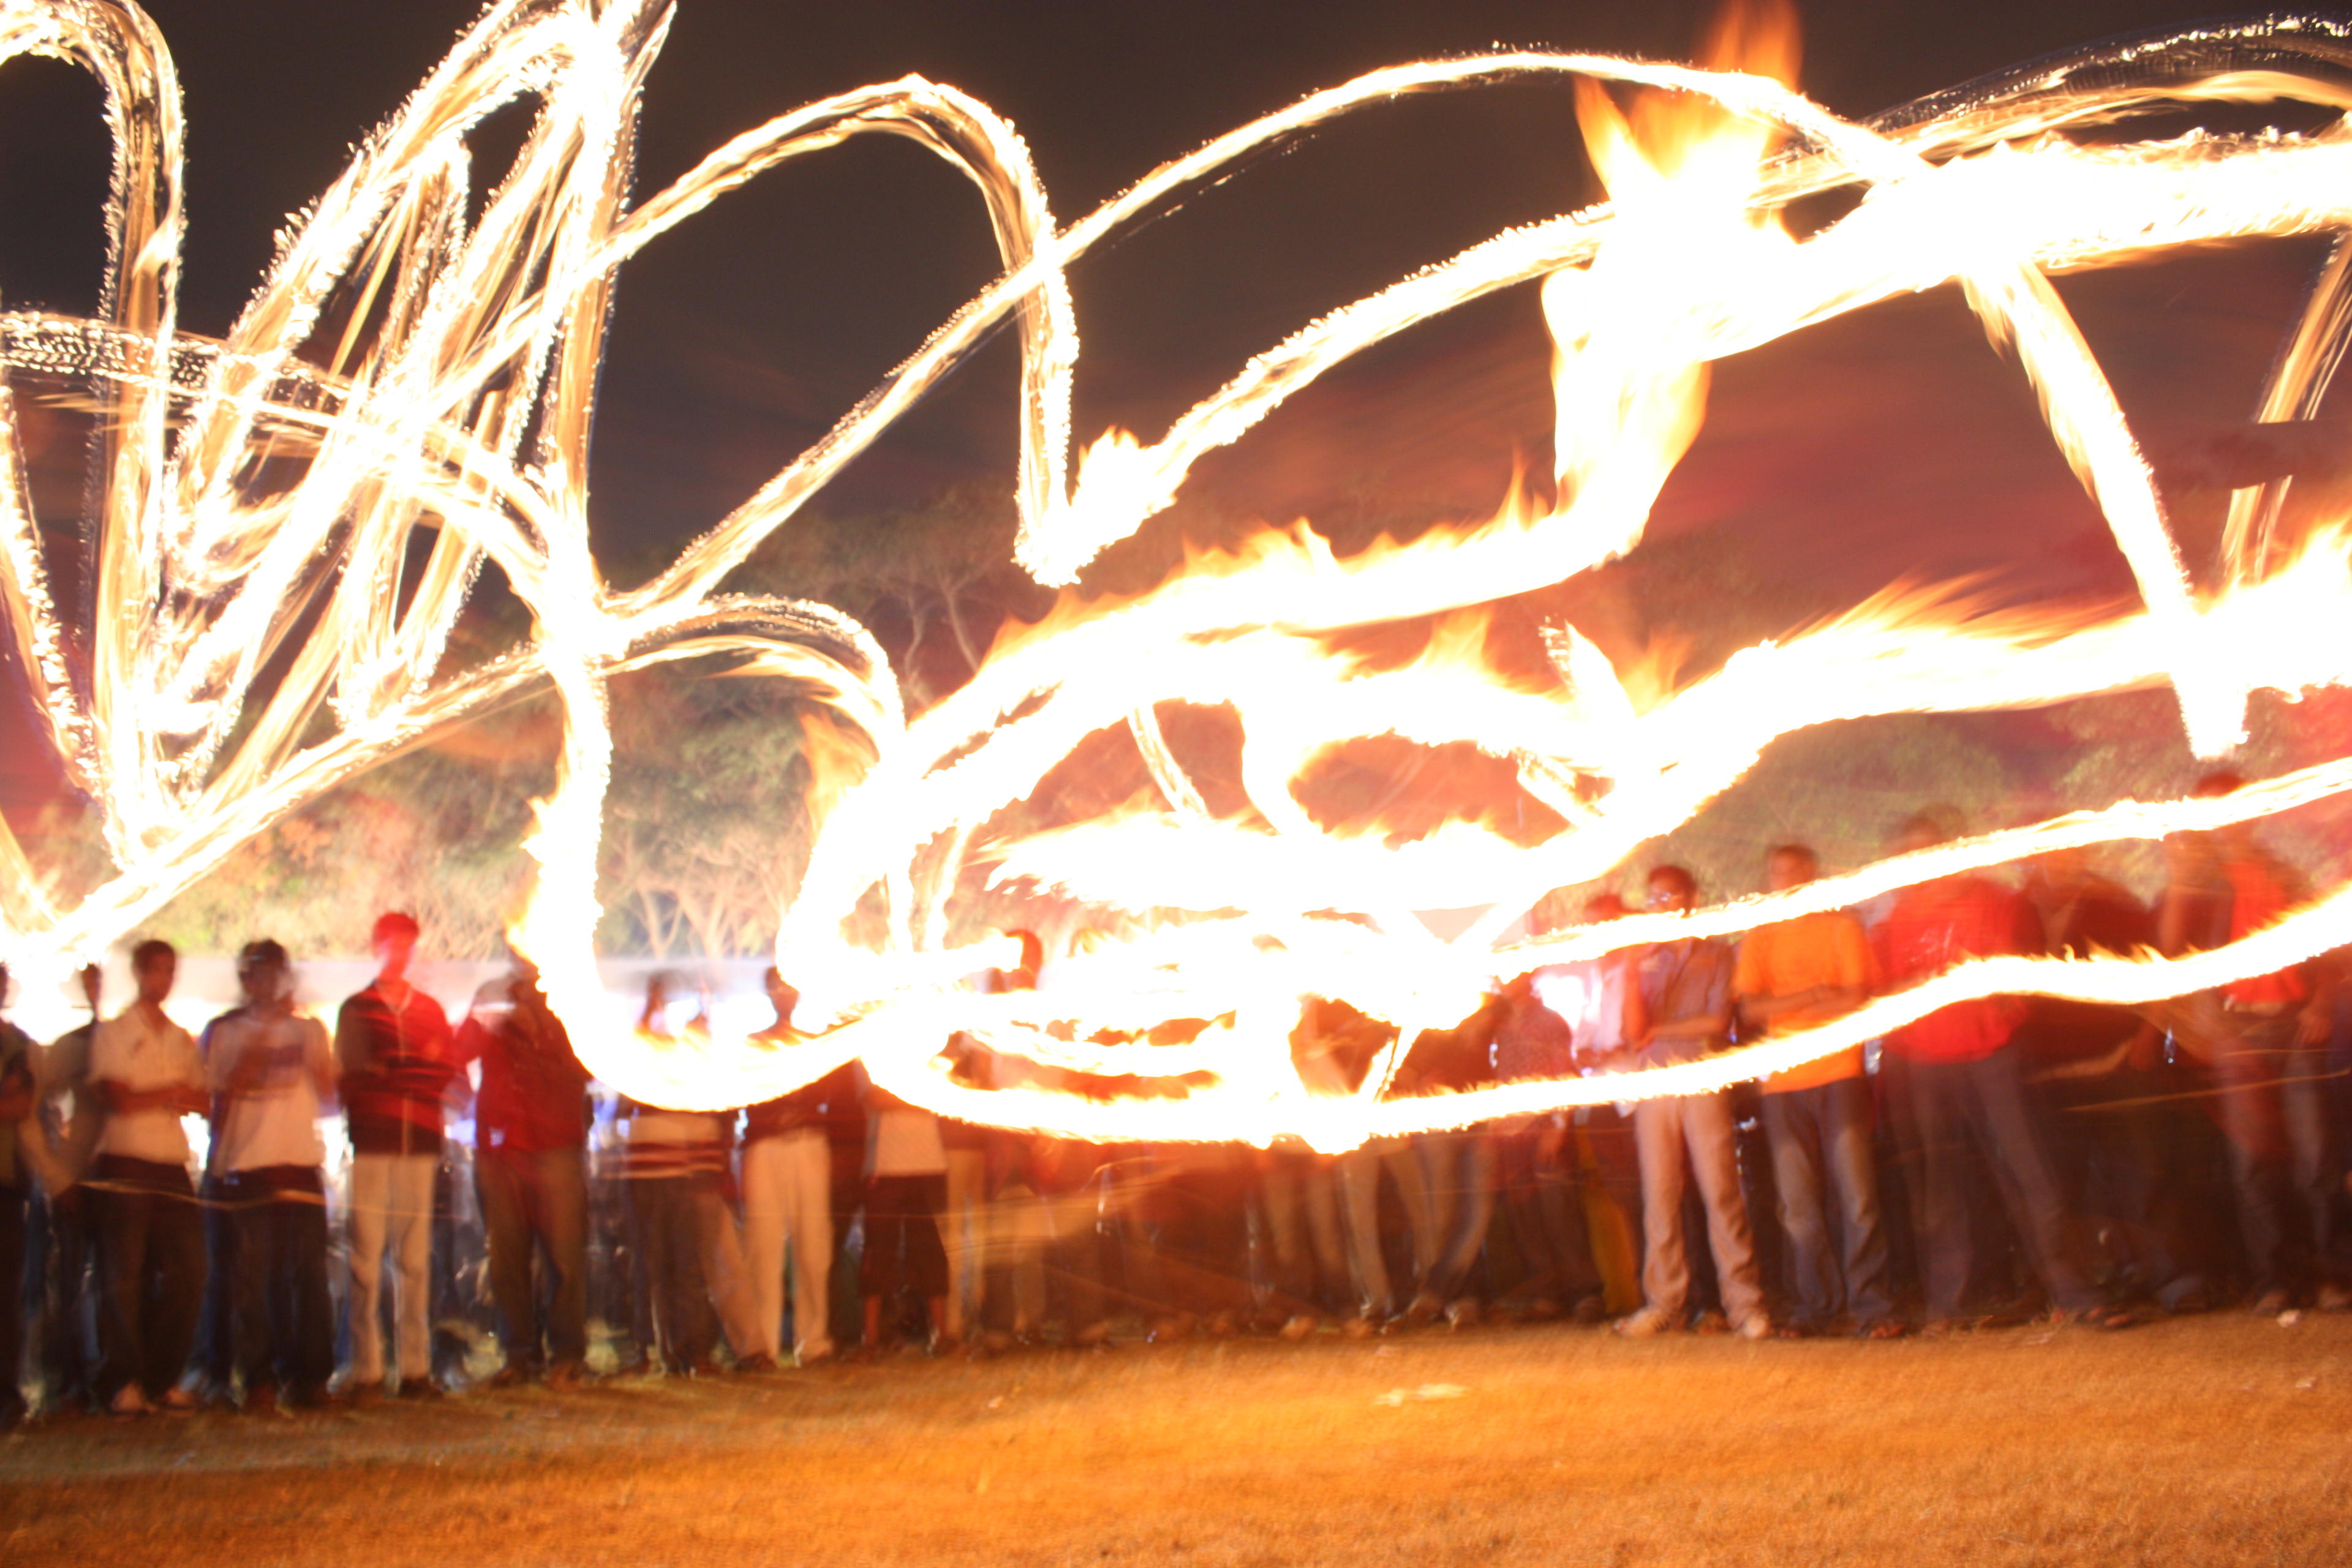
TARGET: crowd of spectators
(1996,1160)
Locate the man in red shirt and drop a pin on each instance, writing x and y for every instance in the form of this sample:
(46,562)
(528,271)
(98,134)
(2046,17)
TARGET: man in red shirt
(1967,1083)
(2267,1038)
(530,1171)
(397,1057)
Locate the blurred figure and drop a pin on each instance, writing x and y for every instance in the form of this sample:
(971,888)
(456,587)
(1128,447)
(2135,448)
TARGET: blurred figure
(18,1100)
(675,1160)
(1589,996)
(57,1147)
(1458,1165)
(2101,1077)
(531,1175)
(906,1190)
(974,1156)
(1534,1166)
(787,1200)
(270,1070)
(397,1056)
(2266,1037)
(145,1073)
(1340,1047)
(1678,1009)
(1298,1202)
(1967,1084)
(1794,975)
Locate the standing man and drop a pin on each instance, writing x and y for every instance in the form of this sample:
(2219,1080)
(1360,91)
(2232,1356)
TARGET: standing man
(1967,1082)
(1535,1162)
(2120,1122)
(787,1198)
(57,1145)
(2267,1038)
(16,1105)
(1792,975)
(530,1172)
(397,1057)
(1678,1009)
(271,1070)
(145,1073)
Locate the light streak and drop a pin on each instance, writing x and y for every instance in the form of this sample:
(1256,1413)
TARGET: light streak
(406,372)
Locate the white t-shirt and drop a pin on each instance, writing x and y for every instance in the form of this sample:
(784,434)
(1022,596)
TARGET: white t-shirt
(130,1051)
(277,1121)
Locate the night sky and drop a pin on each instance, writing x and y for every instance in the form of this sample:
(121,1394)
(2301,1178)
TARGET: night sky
(1847,457)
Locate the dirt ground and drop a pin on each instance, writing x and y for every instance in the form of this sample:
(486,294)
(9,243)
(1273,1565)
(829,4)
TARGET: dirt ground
(2219,1439)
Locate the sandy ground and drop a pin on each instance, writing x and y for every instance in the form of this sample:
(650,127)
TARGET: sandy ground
(2222,1440)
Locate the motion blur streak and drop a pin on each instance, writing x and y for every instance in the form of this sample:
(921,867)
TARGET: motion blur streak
(288,523)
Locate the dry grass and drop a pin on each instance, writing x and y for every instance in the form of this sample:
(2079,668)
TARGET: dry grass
(2211,1440)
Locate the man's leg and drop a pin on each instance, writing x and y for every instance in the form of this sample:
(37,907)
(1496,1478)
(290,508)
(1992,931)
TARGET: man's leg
(1849,1142)
(1608,1171)
(1712,1138)
(409,1221)
(1793,1122)
(1666,1270)
(560,1215)
(305,1252)
(1360,1189)
(2312,1194)
(500,1186)
(963,1229)
(808,1234)
(120,1219)
(1947,1246)
(2245,1073)
(175,1263)
(1320,1197)
(765,1182)
(249,1254)
(1280,1205)
(725,1278)
(2010,1135)
(1470,1161)
(371,1199)
(12,1303)
(216,1341)
(1401,1157)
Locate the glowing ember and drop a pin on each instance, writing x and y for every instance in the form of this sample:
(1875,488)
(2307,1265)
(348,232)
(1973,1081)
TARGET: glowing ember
(405,372)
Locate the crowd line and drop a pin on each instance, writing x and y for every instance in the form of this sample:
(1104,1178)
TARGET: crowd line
(1997,1160)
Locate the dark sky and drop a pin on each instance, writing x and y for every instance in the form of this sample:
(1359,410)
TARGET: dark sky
(1856,453)
(752,328)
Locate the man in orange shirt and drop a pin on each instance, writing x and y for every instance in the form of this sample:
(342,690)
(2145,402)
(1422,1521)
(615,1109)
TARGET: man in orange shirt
(1795,975)
(2268,1038)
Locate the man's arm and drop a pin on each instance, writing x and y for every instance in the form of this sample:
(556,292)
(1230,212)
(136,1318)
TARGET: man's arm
(1761,1010)
(120,1098)
(318,1059)
(1634,1008)
(18,1094)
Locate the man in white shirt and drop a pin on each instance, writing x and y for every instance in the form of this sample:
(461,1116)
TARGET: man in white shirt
(145,1073)
(270,1070)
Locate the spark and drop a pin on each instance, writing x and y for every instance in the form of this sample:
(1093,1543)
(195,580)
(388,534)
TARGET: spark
(408,375)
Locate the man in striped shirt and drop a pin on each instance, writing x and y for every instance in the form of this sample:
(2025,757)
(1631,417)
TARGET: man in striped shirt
(397,1056)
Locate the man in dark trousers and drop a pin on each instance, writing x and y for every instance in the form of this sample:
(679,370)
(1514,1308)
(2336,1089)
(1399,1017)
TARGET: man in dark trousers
(530,1171)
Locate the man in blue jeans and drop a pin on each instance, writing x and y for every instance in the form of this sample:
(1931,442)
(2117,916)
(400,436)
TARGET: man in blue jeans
(1797,974)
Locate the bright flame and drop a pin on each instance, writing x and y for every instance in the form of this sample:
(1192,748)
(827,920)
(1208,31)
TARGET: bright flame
(407,373)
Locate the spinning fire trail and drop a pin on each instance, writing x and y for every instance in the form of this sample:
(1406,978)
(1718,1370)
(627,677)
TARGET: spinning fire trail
(406,375)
